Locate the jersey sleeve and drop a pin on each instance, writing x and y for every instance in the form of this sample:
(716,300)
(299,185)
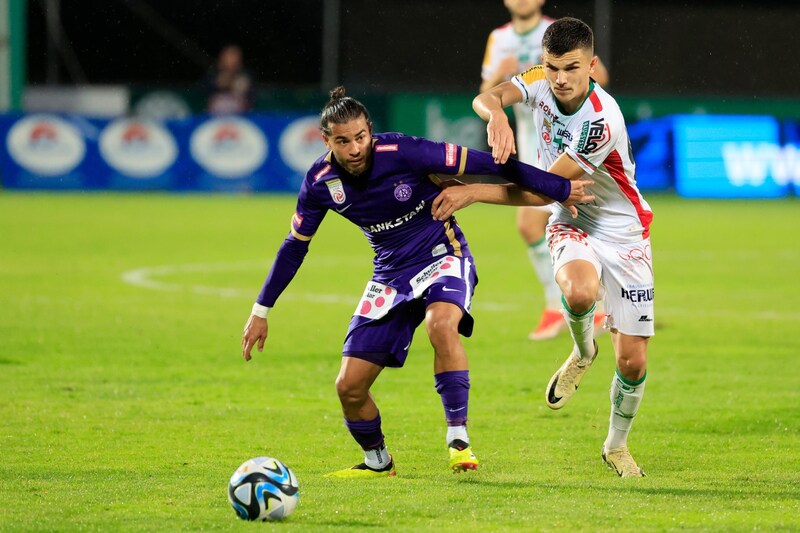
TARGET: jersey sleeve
(308,214)
(526,83)
(307,217)
(598,137)
(430,157)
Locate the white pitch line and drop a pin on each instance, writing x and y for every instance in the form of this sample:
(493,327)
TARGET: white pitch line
(145,278)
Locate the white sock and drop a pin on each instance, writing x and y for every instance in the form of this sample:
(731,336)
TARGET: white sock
(457,432)
(376,459)
(625,399)
(581,327)
(539,255)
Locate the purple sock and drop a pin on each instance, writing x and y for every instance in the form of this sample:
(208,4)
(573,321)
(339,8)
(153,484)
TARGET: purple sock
(366,432)
(454,390)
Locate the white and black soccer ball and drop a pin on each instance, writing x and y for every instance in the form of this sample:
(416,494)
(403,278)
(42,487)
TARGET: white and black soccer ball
(263,488)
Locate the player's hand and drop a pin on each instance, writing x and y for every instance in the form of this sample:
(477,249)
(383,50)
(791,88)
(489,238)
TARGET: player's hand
(500,137)
(578,195)
(255,333)
(454,197)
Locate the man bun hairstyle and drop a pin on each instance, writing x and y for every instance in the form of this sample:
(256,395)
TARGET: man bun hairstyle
(341,109)
(567,34)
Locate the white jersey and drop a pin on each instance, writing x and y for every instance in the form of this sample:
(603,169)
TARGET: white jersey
(595,137)
(526,48)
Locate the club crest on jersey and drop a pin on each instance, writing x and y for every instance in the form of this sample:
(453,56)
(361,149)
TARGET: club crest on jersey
(336,189)
(402,192)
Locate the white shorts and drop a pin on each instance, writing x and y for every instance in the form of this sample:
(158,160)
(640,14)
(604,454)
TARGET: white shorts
(625,271)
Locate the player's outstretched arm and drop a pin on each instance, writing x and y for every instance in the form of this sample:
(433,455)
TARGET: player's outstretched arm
(255,334)
(489,106)
(456,197)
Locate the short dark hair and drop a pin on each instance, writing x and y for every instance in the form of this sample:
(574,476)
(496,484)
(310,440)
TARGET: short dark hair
(567,34)
(341,109)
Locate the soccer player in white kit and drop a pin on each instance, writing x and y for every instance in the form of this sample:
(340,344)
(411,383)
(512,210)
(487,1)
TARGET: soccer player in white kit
(604,253)
(511,49)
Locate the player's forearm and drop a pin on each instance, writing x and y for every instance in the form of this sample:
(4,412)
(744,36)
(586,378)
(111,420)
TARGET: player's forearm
(506,194)
(287,262)
(534,179)
(487,104)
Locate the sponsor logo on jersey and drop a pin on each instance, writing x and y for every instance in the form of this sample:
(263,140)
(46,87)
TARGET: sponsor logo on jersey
(548,112)
(546,137)
(336,189)
(324,170)
(594,135)
(301,143)
(138,148)
(638,295)
(45,145)
(386,148)
(229,147)
(391,224)
(297,219)
(403,192)
(450,155)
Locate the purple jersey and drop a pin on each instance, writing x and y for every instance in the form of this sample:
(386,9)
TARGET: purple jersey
(391,203)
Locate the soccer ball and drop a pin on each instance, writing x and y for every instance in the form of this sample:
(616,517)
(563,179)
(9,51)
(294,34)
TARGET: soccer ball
(263,488)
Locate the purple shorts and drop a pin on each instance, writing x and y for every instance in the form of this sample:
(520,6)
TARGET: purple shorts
(383,327)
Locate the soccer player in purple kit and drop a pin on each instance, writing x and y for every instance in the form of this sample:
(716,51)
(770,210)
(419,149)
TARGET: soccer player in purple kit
(423,268)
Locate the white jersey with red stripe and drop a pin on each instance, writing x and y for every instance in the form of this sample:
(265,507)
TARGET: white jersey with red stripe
(595,137)
(526,48)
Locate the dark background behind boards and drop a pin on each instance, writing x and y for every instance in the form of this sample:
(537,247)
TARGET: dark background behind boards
(709,47)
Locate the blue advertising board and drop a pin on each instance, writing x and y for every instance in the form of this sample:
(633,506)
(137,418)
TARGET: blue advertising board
(214,153)
(731,157)
(698,155)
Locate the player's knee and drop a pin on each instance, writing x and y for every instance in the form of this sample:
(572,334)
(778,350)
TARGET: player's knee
(579,298)
(442,328)
(350,393)
(632,366)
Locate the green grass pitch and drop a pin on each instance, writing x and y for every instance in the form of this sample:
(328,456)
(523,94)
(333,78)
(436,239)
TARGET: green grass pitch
(125,404)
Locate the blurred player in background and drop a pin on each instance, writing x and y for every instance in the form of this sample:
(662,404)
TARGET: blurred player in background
(605,252)
(423,269)
(511,49)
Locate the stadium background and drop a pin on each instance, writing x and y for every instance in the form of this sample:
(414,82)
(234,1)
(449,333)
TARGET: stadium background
(416,64)
(124,403)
